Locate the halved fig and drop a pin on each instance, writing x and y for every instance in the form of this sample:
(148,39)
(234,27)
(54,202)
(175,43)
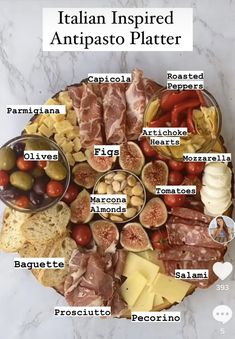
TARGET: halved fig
(154,174)
(99,163)
(134,238)
(154,213)
(105,234)
(80,208)
(131,157)
(84,175)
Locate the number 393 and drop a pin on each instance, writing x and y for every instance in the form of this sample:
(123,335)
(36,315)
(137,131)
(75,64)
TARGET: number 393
(222,287)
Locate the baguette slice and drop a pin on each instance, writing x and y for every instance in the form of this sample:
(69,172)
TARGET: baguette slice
(46,225)
(11,236)
(63,248)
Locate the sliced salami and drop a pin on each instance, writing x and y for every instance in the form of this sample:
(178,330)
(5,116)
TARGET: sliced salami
(192,223)
(171,266)
(184,234)
(190,214)
(189,253)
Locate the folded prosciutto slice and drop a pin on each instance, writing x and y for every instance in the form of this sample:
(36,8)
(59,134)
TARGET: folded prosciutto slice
(91,280)
(136,103)
(114,106)
(89,110)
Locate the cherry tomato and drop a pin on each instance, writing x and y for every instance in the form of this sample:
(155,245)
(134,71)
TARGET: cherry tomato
(54,189)
(24,165)
(70,194)
(81,233)
(195,168)
(174,200)
(191,177)
(176,165)
(22,201)
(175,178)
(4,178)
(42,163)
(159,239)
(161,157)
(146,148)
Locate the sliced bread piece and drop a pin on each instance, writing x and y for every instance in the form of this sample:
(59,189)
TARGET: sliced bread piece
(63,249)
(47,225)
(11,236)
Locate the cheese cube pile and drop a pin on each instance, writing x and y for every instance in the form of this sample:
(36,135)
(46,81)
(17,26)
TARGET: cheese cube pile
(62,127)
(146,288)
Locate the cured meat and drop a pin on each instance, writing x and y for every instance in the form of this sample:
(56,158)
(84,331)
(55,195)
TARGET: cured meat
(114,105)
(91,281)
(189,253)
(185,234)
(178,220)
(171,266)
(151,88)
(187,213)
(117,304)
(89,111)
(136,103)
(119,259)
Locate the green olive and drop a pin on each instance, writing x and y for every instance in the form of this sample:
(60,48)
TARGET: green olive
(22,180)
(56,170)
(37,145)
(37,172)
(7,158)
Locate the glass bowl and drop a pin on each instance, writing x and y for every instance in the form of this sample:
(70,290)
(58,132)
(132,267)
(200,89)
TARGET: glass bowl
(204,143)
(109,183)
(10,194)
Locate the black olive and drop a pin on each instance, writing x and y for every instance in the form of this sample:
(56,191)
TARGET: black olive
(10,193)
(40,185)
(19,148)
(35,198)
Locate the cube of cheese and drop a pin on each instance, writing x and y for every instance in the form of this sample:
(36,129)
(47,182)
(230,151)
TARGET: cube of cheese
(70,159)
(51,101)
(79,157)
(65,99)
(172,289)
(144,303)
(136,263)
(59,138)
(44,130)
(132,288)
(63,126)
(67,146)
(57,117)
(72,117)
(32,128)
(49,122)
(72,134)
(77,144)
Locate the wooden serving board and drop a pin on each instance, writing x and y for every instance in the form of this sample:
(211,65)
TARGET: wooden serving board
(219,147)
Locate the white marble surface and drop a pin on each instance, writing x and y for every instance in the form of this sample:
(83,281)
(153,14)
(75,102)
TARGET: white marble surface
(29,76)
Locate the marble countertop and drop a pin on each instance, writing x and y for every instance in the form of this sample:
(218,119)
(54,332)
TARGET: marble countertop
(29,76)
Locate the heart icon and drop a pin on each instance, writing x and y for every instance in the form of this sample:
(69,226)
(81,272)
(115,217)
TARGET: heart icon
(222,269)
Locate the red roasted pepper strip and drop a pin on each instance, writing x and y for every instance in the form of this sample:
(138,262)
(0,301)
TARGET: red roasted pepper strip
(179,109)
(161,122)
(172,98)
(190,123)
(201,98)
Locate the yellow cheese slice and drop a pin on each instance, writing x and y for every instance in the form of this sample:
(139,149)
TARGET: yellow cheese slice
(136,263)
(145,301)
(172,289)
(158,300)
(132,288)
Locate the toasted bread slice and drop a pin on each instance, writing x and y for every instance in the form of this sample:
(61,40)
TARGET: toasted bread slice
(63,248)
(47,225)
(11,236)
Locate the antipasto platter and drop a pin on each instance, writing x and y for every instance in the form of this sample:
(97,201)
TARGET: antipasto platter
(125,260)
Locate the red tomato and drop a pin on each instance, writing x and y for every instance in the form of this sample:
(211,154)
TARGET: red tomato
(146,148)
(71,194)
(175,178)
(176,165)
(42,163)
(192,177)
(54,189)
(159,239)
(195,168)
(81,233)
(24,165)
(22,201)
(161,157)
(4,178)
(174,200)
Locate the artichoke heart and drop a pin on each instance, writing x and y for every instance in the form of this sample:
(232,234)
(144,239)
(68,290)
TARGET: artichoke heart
(205,121)
(152,111)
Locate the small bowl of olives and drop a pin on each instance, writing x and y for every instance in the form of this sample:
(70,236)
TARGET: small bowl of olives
(32,185)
